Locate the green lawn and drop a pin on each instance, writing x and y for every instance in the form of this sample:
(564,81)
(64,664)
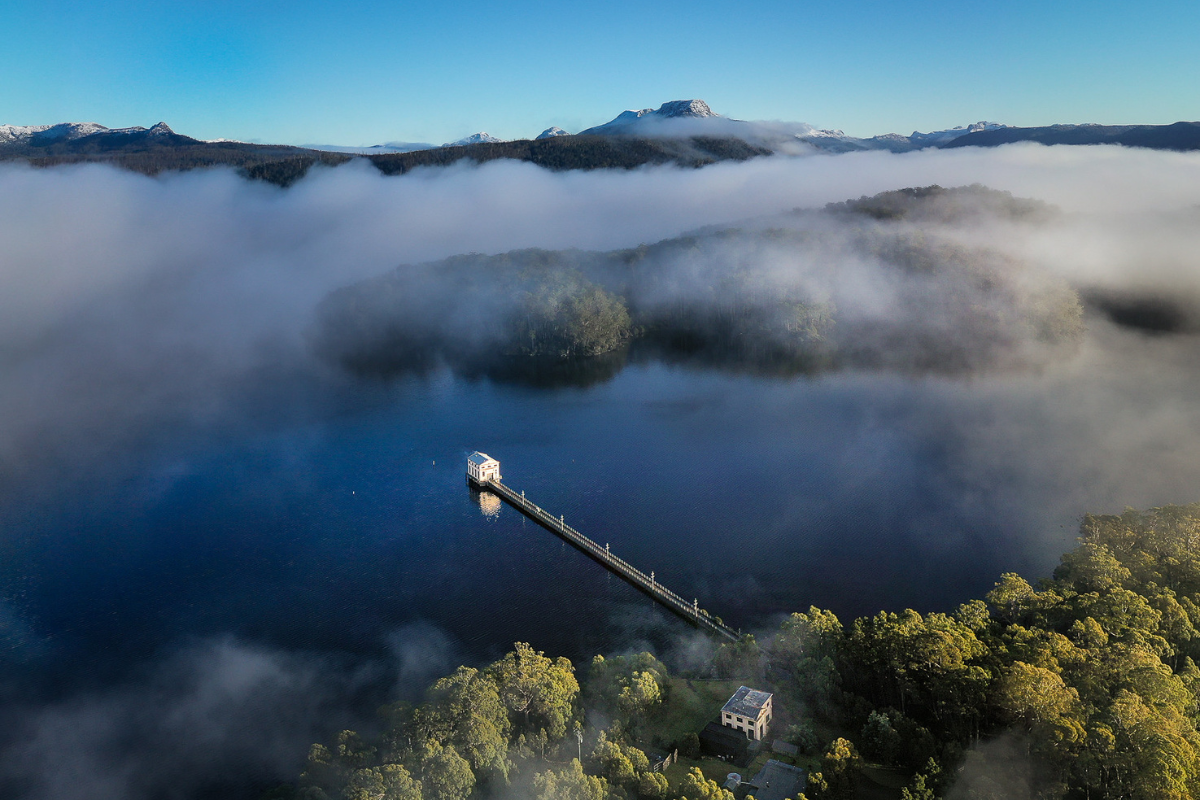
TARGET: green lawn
(688,707)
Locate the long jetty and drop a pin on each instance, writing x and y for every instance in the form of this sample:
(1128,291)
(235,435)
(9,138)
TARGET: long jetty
(690,612)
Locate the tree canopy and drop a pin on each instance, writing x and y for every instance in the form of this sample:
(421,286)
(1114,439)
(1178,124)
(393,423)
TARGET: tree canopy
(1090,676)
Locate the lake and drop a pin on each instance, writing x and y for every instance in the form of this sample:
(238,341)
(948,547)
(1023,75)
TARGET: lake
(271,573)
(757,496)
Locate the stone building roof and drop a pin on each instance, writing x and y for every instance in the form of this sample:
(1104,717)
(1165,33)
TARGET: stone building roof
(777,781)
(747,702)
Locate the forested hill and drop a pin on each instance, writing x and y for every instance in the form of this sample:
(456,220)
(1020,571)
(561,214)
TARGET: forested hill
(150,154)
(581,152)
(1178,136)
(765,297)
(159,149)
(1084,686)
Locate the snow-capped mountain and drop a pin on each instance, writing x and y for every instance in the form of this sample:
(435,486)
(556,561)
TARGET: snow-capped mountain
(551,132)
(916,141)
(46,135)
(685,118)
(483,137)
(62,131)
(939,137)
(641,121)
(158,129)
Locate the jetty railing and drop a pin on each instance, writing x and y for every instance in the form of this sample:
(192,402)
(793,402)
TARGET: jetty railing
(690,612)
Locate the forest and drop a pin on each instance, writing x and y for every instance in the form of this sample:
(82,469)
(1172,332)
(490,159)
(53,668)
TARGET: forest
(283,165)
(881,282)
(151,154)
(580,152)
(1081,686)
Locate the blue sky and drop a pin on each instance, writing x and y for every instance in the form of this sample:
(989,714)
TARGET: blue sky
(304,72)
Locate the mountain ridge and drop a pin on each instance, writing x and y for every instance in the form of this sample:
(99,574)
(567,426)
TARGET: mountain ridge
(683,132)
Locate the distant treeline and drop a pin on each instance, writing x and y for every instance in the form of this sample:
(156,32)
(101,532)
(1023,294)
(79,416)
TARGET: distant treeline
(284,165)
(152,152)
(859,284)
(946,206)
(1179,136)
(580,152)
(1084,686)
(280,166)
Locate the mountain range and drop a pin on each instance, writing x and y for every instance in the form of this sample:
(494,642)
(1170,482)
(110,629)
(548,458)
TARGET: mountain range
(684,132)
(97,137)
(682,119)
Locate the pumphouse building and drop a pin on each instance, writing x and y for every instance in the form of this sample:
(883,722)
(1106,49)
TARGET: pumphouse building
(748,711)
(737,735)
(482,468)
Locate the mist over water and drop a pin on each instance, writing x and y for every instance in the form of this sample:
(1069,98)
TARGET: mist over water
(195,510)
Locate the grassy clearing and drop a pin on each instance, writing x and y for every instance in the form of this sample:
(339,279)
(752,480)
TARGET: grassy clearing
(758,763)
(687,707)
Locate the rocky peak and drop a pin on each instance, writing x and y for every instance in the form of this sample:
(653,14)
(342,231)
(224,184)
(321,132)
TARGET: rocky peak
(685,108)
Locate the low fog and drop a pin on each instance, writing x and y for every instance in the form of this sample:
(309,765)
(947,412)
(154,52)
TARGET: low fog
(126,300)
(130,306)
(207,719)
(890,282)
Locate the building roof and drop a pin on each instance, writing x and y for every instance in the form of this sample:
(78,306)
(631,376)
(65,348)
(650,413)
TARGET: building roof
(479,458)
(777,781)
(718,740)
(783,748)
(715,732)
(747,702)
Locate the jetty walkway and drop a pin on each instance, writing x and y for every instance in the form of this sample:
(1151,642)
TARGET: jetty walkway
(691,612)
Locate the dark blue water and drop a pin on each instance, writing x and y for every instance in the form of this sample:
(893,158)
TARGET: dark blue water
(327,532)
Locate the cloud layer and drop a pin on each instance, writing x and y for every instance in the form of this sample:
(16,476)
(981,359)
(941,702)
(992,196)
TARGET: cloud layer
(216,716)
(125,299)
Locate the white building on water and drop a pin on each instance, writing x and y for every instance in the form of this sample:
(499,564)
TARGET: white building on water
(482,468)
(748,711)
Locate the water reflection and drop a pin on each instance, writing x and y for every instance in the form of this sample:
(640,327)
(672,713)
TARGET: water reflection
(730,358)
(489,504)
